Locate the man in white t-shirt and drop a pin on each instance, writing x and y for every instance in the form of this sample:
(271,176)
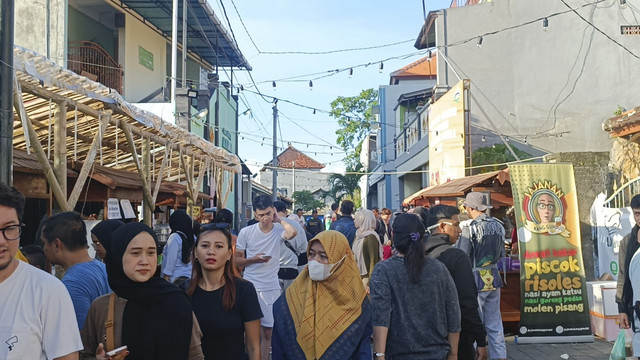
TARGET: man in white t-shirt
(261,243)
(37,320)
(290,248)
(298,218)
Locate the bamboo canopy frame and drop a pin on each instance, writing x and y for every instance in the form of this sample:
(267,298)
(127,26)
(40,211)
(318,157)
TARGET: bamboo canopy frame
(65,118)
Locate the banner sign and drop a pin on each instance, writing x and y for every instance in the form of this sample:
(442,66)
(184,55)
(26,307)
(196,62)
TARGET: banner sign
(113,209)
(554,305)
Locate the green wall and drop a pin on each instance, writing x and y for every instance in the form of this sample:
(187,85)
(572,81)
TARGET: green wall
(84,28)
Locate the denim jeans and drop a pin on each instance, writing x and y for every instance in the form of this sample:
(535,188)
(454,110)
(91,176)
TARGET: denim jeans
(489,307)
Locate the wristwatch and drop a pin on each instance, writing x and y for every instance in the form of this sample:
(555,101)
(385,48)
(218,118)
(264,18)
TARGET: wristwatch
(377,354)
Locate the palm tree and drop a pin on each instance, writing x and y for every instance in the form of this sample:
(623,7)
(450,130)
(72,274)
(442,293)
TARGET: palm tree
(345,185)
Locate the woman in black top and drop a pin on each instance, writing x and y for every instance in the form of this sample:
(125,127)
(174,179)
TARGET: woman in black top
(225,305)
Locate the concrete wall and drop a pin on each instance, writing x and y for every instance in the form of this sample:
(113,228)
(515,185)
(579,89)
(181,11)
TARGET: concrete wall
(566,80)
(592,178)
(46,35)
(138,80)
(305,180)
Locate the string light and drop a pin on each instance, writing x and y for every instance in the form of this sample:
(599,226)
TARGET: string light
(429,55)
(479,43)
(310,85)
(314,111)
(545,24)
(273,84)
(381,66)
(484,138)
(350,72)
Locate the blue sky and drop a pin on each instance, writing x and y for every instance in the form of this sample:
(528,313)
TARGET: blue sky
(312,26)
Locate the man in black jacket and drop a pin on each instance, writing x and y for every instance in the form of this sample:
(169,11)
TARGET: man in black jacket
(444,226)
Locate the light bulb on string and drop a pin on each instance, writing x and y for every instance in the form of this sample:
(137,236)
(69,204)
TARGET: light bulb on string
(545,24)
(479,43)
(483,138)
(381,67)
(429,55)
(350,73)
(273,84)
(314,111)
(310,85)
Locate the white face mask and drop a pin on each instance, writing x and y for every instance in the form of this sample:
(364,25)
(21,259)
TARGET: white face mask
(319,271)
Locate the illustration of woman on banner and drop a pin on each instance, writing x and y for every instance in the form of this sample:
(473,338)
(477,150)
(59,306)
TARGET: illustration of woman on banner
(545,211)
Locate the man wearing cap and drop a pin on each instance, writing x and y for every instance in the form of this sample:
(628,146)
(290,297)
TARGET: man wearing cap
(483,241)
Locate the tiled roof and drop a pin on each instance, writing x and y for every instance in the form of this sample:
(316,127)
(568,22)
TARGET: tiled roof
(626,123)
(292,156)
(422,67)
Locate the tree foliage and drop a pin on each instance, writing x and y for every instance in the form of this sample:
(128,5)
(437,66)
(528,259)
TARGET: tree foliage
(346,185)
(494,155)
(354,117)
(306,201)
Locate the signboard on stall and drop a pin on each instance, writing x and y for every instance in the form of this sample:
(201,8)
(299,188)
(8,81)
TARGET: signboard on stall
(113,209)
(127,209)
(447,135)
(609,226)
(554,304)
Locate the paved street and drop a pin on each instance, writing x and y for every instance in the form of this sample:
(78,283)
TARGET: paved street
(599,349)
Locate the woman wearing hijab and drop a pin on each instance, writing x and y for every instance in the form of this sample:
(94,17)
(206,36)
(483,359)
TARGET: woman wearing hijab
(226,305)
(367,248)
(101,236)
(156,321)
(325,313)
(176,262)
(416,312)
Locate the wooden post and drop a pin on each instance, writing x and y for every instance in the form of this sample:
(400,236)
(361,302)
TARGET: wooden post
(60,148)
(147,211)
(189,179)
(58,194)
(146,190)
(88,162)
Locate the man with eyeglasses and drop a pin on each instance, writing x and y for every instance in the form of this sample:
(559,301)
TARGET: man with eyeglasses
(444,226)
(36,313)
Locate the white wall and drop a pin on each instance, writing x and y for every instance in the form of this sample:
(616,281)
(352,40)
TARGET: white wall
(138,80)
(568,79)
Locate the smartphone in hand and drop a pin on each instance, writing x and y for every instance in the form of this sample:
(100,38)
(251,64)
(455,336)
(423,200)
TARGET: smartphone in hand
(117,351)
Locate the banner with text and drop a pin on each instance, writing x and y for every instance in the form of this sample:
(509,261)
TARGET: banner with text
(553,305)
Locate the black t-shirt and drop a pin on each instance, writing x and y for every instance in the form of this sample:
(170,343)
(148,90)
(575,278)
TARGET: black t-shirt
(314,226)
(222,331)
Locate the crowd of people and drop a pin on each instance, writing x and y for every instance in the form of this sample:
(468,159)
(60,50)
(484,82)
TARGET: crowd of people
(362,284)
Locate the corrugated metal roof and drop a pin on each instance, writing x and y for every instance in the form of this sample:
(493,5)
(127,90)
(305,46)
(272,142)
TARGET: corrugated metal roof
(205,33)
(457,187)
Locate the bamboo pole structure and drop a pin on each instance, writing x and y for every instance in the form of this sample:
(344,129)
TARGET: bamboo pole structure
(60,148)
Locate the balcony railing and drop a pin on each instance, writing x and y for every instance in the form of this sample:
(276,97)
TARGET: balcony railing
(411,134)
(91,60)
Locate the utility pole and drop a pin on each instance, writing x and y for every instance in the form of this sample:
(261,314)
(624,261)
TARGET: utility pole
(6,91)
(274,186)
(293,185)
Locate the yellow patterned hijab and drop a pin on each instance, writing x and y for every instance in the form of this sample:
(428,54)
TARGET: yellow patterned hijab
(323,310)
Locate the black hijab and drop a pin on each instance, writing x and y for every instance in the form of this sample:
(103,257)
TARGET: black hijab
(181,223)
(104,230)
(158,318)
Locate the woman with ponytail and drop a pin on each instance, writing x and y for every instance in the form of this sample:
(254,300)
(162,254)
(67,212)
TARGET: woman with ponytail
(415,305)
(225,305)
(176,262)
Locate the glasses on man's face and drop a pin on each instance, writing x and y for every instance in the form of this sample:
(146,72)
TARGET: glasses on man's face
(543,206)
(12,232)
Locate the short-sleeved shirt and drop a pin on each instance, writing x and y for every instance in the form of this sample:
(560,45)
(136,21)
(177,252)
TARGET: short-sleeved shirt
(37,320)
(172,264)
(251,240)
(86,282)
(419,316)
(314,226)
(288,258)
(223,331)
